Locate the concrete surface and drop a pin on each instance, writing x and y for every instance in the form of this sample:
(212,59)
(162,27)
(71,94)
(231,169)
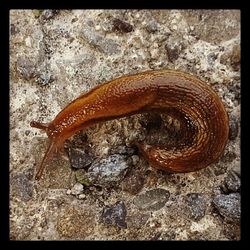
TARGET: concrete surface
(57,55)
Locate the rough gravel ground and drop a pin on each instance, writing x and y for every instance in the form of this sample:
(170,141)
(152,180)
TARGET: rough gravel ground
(57,55)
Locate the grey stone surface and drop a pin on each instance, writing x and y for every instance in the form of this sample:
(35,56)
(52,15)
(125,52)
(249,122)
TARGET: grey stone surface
(109,170)
(197,205)
(228,206)
(21,186)
(106,45)
(233,127)
(233,182)
(153,199)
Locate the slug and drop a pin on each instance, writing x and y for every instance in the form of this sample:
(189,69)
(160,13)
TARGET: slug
(203,119)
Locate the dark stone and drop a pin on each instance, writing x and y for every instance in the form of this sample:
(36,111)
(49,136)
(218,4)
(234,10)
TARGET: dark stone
(21,186)
(228,206)
(133,182)
(197,205)
(153,199)
(79,158)
(115,215)
(173,49)
(172,52)
(75,19)
(233,128)
(14,29)
(121,26)
(232,182)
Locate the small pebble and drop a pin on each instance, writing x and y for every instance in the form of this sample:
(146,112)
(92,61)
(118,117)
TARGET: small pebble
(115,215)
(77,189)
(82,196)
(197,205)
(228,206)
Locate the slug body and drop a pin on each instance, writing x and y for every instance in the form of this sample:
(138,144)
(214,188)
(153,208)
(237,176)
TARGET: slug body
(203,119)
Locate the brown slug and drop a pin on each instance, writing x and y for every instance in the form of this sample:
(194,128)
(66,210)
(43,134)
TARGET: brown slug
(202,116)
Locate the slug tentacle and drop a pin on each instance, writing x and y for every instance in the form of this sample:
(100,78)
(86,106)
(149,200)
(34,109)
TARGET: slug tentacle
(199,110)
(52,148)
(40,125)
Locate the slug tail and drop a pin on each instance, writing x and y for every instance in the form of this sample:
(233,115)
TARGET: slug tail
(48,155)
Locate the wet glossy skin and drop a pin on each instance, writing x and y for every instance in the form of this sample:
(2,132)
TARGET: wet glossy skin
(203,119)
